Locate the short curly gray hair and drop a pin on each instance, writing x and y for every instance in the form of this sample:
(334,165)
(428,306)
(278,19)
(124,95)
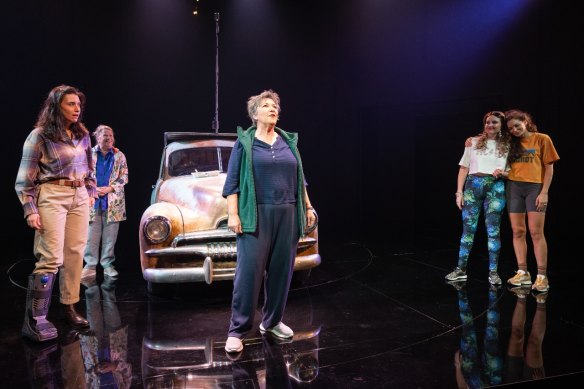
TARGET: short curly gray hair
(100,129)
(254,102)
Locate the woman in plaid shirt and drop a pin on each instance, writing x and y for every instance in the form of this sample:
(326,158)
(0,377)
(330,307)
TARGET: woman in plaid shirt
(56,186)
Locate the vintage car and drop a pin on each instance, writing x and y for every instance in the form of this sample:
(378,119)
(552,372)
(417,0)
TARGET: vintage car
(183,233)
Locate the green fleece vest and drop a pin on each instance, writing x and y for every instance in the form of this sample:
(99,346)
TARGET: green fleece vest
(247,202)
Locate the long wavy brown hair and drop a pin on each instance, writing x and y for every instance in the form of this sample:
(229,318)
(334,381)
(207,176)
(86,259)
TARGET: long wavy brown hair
(51,119)
(516,150)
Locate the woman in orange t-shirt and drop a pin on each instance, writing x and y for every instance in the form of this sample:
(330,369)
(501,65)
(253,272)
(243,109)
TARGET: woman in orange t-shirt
(531,158)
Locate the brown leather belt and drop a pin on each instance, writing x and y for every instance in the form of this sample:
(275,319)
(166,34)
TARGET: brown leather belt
(71,183)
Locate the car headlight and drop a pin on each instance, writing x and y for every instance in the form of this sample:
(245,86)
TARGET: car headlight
(156,229)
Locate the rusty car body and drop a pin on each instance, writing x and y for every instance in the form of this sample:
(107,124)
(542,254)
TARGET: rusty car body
(183,233)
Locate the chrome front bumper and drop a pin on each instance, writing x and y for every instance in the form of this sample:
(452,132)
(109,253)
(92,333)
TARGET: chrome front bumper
(209,273)
(211,245)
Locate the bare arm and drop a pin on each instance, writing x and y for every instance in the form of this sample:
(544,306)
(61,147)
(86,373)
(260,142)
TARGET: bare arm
(542,199)
(462,174)
(310,215)
(233,221)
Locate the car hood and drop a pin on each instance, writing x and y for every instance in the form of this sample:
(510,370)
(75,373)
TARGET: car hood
(202,194)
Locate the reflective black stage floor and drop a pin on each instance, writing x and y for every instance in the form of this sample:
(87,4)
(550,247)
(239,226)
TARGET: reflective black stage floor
(366,318)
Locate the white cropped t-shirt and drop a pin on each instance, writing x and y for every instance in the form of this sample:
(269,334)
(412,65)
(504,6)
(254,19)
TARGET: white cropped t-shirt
(483,161)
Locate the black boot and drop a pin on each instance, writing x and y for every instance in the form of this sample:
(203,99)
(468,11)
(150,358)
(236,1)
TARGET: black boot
(72,317)
(38,299)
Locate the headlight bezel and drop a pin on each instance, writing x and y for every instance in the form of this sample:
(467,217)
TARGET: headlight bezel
(156,229)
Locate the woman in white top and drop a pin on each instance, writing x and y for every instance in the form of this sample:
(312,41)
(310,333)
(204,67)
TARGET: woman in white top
(480,184)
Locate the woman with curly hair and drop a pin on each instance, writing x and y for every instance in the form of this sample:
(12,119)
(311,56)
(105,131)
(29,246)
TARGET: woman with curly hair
(480,185)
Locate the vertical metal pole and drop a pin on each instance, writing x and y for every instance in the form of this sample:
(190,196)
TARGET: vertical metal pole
(215,124)
(216,119)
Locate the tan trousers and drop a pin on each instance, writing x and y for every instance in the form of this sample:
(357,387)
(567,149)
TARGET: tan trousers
(60,244)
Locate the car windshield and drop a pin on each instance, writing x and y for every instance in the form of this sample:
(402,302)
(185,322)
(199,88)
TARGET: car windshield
(199,159)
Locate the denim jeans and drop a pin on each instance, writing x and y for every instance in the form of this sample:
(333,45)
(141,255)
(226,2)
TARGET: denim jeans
(100,231)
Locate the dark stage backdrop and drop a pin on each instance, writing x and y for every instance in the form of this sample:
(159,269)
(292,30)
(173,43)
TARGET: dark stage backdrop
(382,93)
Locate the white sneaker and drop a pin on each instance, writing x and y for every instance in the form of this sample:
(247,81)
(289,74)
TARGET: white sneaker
(110,271)
(280,330)
(233,345)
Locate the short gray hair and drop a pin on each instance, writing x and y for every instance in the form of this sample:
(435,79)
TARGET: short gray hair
(254,102)
(100,129)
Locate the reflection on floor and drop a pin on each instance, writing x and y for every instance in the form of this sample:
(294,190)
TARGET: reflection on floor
(365,319)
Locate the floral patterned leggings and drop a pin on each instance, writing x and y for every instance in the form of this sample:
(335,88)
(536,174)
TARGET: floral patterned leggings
(485,369)
(489,193)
